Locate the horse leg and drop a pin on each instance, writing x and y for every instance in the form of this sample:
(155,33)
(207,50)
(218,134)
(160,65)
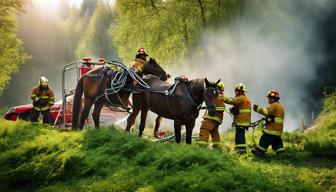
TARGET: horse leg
(96,112)
(177,130)
(144,113)
(85,112)
(157,126)
(189,129)
(131,118)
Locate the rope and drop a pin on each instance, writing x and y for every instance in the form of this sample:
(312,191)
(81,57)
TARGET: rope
(119,81)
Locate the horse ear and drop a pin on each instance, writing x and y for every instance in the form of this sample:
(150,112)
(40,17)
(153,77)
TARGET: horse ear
(206,82)
(218,81)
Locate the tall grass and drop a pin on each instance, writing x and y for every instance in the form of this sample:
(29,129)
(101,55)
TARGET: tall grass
(41,158)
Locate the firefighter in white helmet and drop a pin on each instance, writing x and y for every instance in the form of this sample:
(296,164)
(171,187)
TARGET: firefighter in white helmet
(43,98)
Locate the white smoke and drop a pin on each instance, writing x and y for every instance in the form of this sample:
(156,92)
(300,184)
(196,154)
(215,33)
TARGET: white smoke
(281,53)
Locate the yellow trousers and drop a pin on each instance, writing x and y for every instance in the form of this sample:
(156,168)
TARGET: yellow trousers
(209,127)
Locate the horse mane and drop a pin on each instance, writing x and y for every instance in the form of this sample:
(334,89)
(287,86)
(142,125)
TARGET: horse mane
(197,84)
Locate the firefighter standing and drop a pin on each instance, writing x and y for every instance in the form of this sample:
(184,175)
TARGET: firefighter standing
(140,59)
(241,111)
(43,99)
(210,124)
(274,125)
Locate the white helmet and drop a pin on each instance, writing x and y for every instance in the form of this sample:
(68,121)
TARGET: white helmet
(43,81)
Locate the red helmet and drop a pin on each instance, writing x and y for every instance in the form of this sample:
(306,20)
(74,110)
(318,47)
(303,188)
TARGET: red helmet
(273,94)
(141,51)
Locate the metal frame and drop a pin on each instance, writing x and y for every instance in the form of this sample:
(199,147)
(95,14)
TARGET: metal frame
(71,66)
(67,67)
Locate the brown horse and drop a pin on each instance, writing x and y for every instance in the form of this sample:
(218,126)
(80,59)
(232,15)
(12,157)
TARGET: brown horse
(93,85)
(180,102)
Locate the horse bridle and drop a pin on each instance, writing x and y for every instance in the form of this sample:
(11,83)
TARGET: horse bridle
(216,93)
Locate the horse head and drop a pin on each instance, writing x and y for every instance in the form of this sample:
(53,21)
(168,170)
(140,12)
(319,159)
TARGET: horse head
(210,95)
(152,67)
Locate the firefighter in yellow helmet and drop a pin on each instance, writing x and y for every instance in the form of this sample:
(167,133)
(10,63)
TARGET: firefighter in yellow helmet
(241,112)
(275,114)
(43,98)
(140,59)
(210,124)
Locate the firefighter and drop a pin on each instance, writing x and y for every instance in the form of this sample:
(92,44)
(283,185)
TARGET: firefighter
(210,124)
(140,59)
(274,125)
(241,112)
(43,98)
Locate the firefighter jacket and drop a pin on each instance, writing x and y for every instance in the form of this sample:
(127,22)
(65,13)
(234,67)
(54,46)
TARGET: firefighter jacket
(45,95)
(242,106)
(275,114)
(220,108)
(138,65)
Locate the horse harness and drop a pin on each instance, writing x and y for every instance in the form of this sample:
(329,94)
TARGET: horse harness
(117,83)
(169,92)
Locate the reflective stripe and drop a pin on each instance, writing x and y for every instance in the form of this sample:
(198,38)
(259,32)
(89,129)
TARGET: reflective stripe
(219,120)
(272,132)
(261,148)
(45,97)
(220,108)
(278,120)
(245,124)
(280,150)
(263,111)
(228,99)
(245,111)
(41,108)
(36,99)
(240,145)
(33,95)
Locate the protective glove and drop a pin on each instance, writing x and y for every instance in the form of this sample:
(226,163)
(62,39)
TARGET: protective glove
(234,111)
(255,107)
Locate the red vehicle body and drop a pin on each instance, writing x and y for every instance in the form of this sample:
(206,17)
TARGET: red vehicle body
(107,116)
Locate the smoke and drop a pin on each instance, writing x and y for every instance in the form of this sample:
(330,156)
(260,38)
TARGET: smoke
(273,47)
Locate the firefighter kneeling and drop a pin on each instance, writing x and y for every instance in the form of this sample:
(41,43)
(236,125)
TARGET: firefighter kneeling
(274,125)
(210,124)
(43,99)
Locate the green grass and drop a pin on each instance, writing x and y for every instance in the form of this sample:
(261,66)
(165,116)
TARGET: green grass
(40,158)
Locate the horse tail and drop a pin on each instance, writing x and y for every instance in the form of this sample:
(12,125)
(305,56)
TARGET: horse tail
(77,103)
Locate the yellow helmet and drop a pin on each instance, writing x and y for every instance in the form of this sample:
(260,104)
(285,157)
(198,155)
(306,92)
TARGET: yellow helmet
(221,86)
(240,87)
(43,81)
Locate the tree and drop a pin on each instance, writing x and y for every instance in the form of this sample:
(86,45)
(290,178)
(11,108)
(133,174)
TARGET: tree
(12,54)
(96,40)
(169,30)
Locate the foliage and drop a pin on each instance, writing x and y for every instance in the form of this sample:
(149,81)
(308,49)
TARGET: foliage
(11,51)
(44,159)
(321,140)
(95,40)
(168,29)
